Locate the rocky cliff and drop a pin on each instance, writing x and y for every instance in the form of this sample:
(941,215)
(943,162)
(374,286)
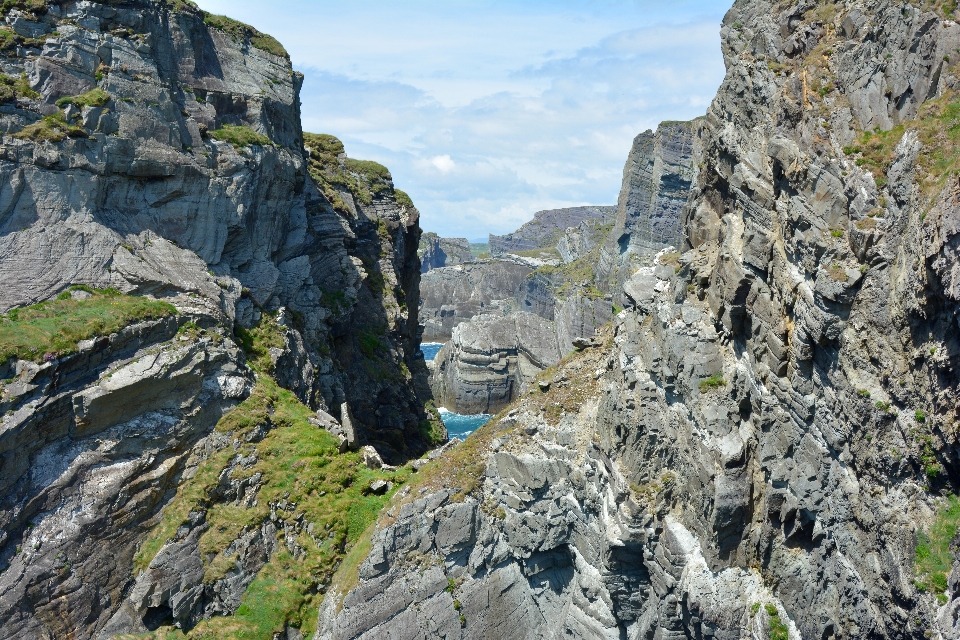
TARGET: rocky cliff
(657,177)
(547,228)
(765,446)
(452,295)
(151,149)
(437,252)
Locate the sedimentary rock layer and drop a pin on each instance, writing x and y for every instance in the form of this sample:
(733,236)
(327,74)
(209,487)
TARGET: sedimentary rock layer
(773,420)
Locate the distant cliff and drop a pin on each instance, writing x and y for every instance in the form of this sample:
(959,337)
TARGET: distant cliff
(546,228)
(657,178)
(438,252)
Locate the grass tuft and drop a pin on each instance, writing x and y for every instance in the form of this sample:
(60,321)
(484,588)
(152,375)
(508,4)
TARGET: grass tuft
(240,32)
(93,98)
(240,136)
(55,327)
(933,557)
(715,381)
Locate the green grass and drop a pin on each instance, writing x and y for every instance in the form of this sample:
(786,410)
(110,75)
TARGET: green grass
(240,136)
(55,327)
(403,199)
(299,463)
(93,98)
(778,630)
(240,31)
(568,278)
(332,171)
(938,128)
(256,343)
(432,430)
(12,88)
(52,128)
(715,381)
(933,559)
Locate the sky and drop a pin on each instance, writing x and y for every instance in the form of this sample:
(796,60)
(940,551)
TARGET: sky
(488,111)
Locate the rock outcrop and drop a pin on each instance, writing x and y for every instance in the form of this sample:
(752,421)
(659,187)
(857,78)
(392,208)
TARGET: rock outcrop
(438,252)
(547,227)
(657,178)
(452,295)
(491,360)
(762,443)
(156,149)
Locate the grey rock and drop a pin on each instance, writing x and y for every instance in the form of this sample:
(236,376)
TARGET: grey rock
(452,295)
(546,228)
(371,458)
(438,252)
(490,360)
(728,455)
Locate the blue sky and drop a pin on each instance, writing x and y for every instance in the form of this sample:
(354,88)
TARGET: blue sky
(487,111)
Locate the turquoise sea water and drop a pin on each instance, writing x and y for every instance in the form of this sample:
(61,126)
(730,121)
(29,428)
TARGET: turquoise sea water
(458,426)
(430,349)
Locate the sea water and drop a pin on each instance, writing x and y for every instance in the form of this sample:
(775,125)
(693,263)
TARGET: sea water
(430,349)
(458,426)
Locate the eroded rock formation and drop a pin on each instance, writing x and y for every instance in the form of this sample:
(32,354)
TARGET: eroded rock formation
(156,149)
(438,252)
(755,449)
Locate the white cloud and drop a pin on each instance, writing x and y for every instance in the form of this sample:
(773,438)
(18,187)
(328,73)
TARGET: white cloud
(443,163)
(538,102)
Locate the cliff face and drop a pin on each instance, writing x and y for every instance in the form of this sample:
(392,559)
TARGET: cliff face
(455,294)
(760,447)
(547,228)
(157,150)
(438,252)
(657,178)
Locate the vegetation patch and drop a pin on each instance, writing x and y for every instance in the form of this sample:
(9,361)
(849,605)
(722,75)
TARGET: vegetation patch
(241,32)
(240,136)
(334,172)
(12,88)
(573,277)
(258,341)
(299,464)
(93,98)
(938,129)
(778,630)
(432,429)
(52,329)
(933,557)
(52,128)
(715,381)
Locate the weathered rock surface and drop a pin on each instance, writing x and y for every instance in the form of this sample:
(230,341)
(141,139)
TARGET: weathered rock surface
(438,252)
(657,177)
(774,419)
(489,361)
(451,295)
(547,227)
(576,242)
(143,195)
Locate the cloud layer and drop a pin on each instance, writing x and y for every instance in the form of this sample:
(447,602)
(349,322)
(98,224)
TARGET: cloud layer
(488,111)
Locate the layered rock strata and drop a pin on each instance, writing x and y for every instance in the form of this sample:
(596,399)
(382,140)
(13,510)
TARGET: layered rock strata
(452,295)
(547,227)
(438,252)
(156,149)
(766,438)
(489,361)
(657,178)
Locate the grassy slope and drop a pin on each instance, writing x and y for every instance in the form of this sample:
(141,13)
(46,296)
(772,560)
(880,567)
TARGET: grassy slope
(300,464)
(55,327)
